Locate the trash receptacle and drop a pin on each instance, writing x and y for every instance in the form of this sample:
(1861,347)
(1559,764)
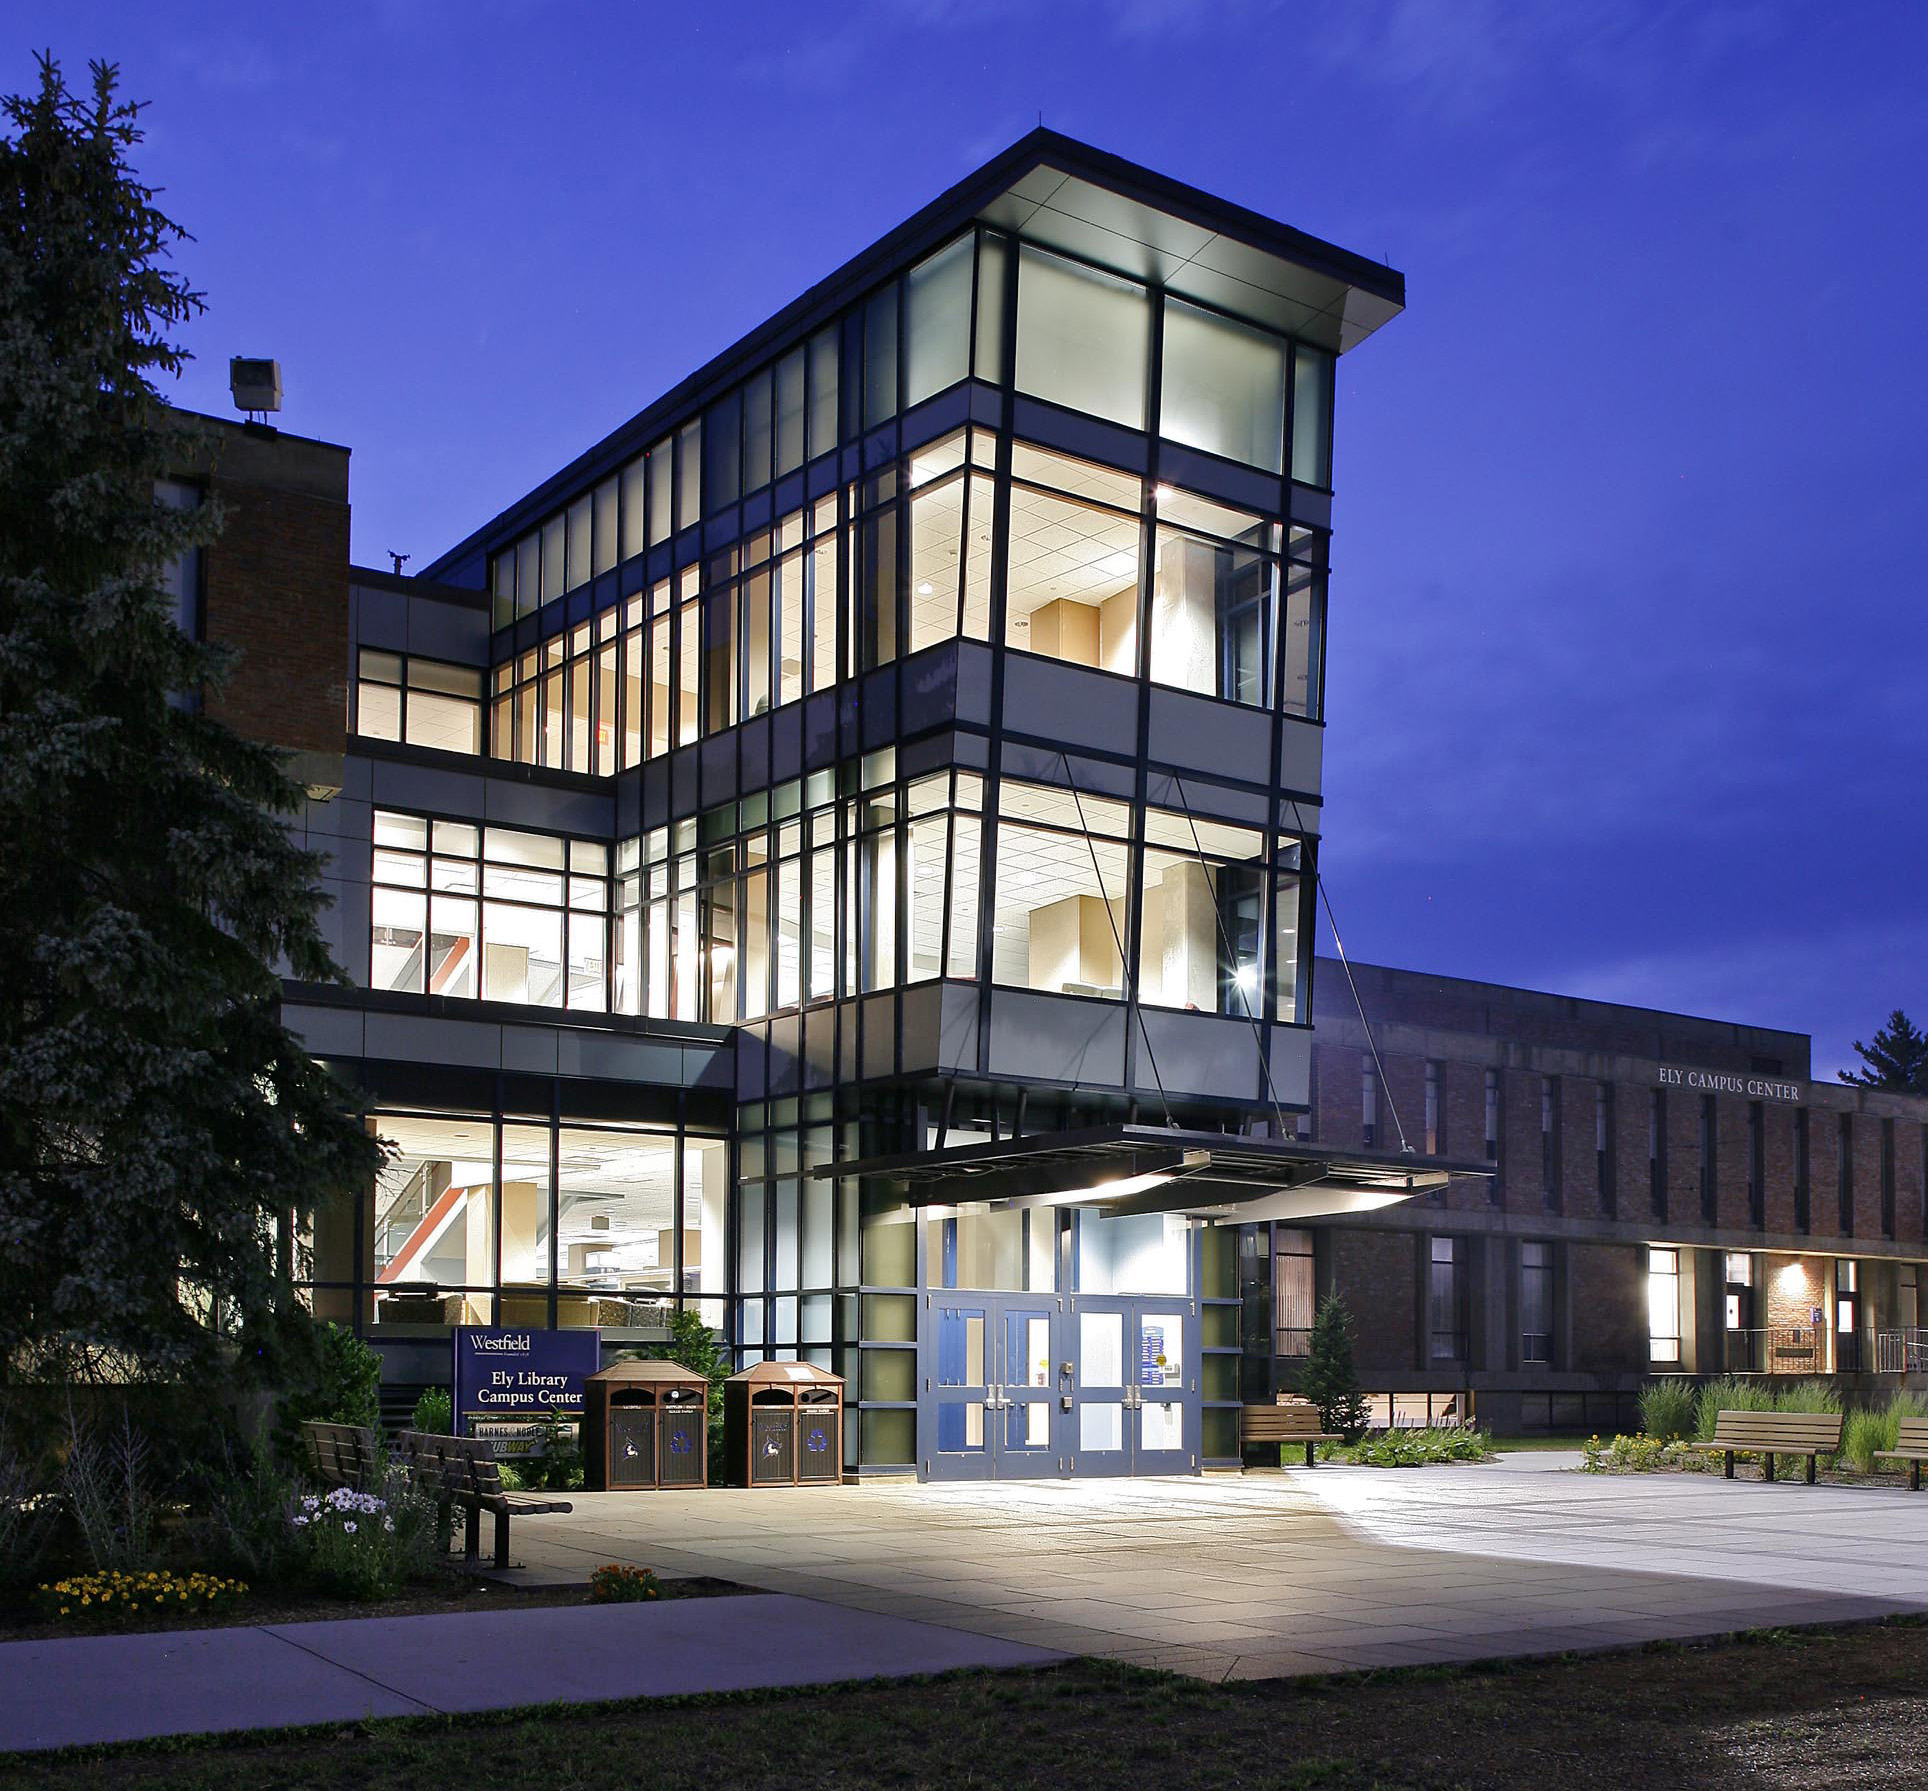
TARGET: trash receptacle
(783,1425)
(645,1424)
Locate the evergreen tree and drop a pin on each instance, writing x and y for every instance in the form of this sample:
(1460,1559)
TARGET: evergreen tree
(163,1138)
(1898,1058)
(1329,1380)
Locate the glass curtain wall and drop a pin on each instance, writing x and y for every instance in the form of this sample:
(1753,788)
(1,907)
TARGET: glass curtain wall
(482,1220)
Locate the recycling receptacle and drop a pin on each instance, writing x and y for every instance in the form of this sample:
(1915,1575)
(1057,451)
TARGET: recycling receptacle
(645,1424)
(783,1425)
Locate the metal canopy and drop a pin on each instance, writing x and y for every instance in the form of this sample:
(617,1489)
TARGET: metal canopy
(1156,1169)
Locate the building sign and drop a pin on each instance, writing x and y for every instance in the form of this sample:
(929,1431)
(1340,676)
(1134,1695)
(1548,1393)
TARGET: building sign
(515,1375)
(1755,1088)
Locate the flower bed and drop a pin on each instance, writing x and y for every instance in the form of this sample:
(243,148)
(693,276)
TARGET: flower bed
(97,1596)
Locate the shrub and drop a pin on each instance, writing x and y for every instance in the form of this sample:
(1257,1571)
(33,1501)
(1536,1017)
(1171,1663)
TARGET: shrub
(435,1412)
(109,1487)
(1417,1448)
(555,1464)
(617,1584)
(149,1594)
(26,1518)
(346,1388)
(241,1514)
(1329,1380)
(364,1544)
(1667,1408)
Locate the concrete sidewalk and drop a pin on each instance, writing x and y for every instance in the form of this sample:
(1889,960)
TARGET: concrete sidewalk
(130,1688)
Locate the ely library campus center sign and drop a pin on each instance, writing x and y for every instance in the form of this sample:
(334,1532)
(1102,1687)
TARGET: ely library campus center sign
(515,1376)
(1755,1088)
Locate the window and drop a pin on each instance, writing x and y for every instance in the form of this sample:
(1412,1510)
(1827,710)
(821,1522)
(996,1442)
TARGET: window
(1495,1192)
(1446,1302)
(467,911)
(937,322)
(1294,1292)
(1368,1106)
(1536,1303)
(1604,1179)
(1214,602)
(1435,1126)
(1311,416)
(1550,1143)
(1224,386)
(1756,1165)
(1802,1190)
(1709,1161)
(1084,338)
(1288,931)
(1887,1178)
(1071,588)
(1657,1153)
(1200,920)
(1059,920)
(1844,1171)
(421,701)
(181,576)
(1740,1290)
(1663,1306)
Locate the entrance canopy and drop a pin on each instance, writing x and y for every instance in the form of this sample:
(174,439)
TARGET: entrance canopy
(1156,1169)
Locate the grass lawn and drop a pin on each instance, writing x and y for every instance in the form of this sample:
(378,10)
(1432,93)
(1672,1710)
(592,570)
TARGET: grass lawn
(1808,1708)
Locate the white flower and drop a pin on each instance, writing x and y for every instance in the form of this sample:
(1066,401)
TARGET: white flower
(299,1521)
(388,1523)
(349,1526)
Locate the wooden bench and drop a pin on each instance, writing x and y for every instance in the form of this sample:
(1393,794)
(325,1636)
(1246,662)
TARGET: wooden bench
(463,1471)
(1769,1434)
(1295,1423)
(343,1454)
(1911,1446)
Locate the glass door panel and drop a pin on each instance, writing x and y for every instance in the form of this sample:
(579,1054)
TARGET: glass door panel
(1163,1381)
(961,1390)
(1026,1393)
(1102,1443)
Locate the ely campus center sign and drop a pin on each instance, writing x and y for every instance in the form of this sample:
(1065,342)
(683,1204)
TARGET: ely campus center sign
(1755,1088)
(517,1376)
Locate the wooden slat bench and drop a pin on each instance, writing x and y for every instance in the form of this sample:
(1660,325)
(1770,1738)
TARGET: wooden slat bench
(1911,1446)
(1769,1434)
(1296,1423)
(463,1471)
(343,1454)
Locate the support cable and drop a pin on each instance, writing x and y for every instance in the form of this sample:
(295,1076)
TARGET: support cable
(1124,963)
(1231,958)
(1339,946)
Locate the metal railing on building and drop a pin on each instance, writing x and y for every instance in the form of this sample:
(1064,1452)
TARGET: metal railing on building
(1901,1352)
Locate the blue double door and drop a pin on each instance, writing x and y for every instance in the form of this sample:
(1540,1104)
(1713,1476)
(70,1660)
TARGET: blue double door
(1028,1386)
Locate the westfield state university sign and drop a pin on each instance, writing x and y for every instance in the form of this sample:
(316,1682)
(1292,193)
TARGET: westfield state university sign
(521,1374)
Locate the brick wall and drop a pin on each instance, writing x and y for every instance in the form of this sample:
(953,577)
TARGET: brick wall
(1520,1146)
(1580,1191)
(1731,1163)
(1378,1275)
(1630,1158)
(276,587)
(1683,1157)
(1607,1298)
(1867,1176)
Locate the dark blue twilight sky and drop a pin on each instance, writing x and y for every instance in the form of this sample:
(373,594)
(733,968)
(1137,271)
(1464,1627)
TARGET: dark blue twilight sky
(1627,656)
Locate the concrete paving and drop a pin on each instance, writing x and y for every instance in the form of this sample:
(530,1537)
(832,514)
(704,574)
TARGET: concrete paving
(1269,1575)
(126,1688)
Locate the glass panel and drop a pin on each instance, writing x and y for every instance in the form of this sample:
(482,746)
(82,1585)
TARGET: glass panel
(615,1222)
(434,1221)
(1083,338)
(1144,1253)
(925,878)
(607,531)
(936,550)
(1212,609)
(960,1347)
(962,959)
(992,258)
(524,1220)
(1072,585)
(1311,416)
(1059,917)
(880,356)
(1161,1424)
(378,711)
(1161,1350)
(1101,1428)
(1101,1342)
(1224,387)
(823,391)
(790,412)
(1198,941)
(397,921)
(937,320)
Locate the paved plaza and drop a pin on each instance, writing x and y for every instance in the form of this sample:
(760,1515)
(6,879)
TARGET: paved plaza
(1319,1571)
